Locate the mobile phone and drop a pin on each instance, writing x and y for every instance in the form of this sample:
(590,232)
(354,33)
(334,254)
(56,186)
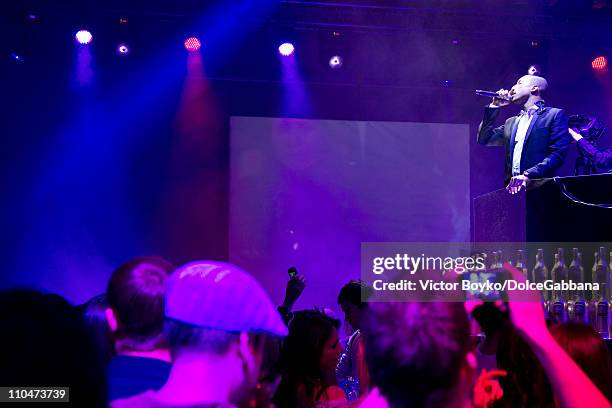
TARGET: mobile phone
(292,272)
(489,285)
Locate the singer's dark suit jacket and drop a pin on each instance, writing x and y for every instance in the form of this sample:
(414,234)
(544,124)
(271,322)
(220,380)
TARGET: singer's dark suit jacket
(545,144)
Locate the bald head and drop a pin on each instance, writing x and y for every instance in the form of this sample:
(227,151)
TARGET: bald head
(534,80)
(528,87)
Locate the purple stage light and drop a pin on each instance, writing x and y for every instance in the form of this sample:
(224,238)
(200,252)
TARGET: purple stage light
(335,62)
(286,49)
(84,37)
(123,49)
(192,44)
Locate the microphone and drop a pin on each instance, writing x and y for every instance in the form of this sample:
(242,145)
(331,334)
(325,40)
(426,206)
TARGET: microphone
(490,94)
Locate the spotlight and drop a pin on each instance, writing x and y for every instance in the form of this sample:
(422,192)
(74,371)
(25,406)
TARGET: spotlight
(123,49)
(84,37)
(192,44)
(599,63)
(335,62)
(17,57)
(534,70)
(286,49)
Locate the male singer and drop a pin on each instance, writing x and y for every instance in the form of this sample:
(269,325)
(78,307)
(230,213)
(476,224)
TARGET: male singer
(536,140)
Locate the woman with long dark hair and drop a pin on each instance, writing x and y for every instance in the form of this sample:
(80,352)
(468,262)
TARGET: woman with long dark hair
(94,314)
(586,347)
(307,362)
(526,384)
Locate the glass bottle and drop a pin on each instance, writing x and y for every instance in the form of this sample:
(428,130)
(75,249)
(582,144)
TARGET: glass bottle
(576,305)
(520,262)
(595,294)
(603,306)
(558,274)
(539,275)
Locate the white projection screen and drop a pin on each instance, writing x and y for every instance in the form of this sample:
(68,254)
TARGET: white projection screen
(306,193)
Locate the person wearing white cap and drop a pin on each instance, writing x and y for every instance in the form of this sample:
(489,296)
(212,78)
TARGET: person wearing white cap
(217,320)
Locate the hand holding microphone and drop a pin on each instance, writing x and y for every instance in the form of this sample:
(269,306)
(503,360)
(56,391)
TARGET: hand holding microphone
(503,98)
(500,98)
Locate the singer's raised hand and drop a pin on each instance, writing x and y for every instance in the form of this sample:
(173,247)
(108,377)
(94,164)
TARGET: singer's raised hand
(503,100)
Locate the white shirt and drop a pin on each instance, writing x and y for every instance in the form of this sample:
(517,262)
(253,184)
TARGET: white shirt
(519,139)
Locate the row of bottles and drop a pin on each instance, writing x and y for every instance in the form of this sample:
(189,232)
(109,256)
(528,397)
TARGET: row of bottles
(593,307)
(572,305)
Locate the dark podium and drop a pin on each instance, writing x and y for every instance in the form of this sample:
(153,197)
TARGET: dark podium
(545,213)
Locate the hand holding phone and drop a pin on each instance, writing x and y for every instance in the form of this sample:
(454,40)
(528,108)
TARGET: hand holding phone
(295,287)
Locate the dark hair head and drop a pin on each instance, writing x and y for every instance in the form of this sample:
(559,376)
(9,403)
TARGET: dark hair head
(354,291)
(415,351)
(588,350)
(93,312)
(135,293)
(183,336)
(490,318)
(300,355)
(45,342)
(526,384)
